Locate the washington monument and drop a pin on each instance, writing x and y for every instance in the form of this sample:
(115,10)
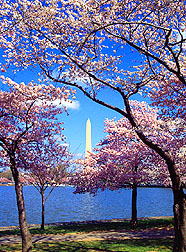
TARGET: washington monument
(88,138)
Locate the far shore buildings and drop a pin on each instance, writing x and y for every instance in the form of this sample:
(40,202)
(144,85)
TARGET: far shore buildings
(5,181)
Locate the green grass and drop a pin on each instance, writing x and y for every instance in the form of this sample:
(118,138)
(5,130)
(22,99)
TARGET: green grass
(140,245)
(107,226)
(160,245)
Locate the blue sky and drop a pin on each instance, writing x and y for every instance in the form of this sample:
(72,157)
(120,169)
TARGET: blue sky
(75,122)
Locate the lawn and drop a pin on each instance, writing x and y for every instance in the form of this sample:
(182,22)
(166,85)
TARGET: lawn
(132,245)
(94,226)
(160,245)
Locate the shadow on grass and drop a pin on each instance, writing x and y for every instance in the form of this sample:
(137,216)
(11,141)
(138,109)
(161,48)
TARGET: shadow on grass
(160,245)
(10,232)
(95,226)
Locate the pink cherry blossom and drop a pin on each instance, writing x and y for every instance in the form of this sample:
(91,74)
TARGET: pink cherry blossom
(31,137)
(122,160)
(129,47)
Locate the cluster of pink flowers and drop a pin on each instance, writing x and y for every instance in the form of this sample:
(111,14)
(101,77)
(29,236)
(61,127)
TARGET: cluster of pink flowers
(122,159)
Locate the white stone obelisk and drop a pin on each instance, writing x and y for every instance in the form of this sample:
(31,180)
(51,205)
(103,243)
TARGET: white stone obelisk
(88,138)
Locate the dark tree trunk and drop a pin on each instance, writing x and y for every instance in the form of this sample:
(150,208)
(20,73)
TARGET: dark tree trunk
(179,196)
(134,221)
(25,233)
(179,207)
(43,211)
(180,221)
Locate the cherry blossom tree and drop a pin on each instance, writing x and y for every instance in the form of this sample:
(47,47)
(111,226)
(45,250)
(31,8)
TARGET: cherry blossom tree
(106,170)
(27,117)
(123,160)
(46,177)
(46,168)
(91,41)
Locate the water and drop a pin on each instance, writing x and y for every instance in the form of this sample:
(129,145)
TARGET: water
(63,205)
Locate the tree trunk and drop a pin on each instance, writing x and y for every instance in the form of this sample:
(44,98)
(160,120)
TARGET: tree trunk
(43,211)
(179,196)
(134,221)
(180,221)
(25,233)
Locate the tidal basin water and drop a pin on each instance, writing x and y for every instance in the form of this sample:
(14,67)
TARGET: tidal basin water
(63,205)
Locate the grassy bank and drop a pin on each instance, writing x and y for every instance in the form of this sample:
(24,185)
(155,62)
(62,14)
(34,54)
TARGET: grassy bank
(160,245)
(111,245)
(94,226)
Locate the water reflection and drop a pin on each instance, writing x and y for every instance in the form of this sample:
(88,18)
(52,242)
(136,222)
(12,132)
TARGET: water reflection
(63,205)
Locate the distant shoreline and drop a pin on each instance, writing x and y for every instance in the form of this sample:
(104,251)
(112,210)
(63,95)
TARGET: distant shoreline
(12,184)
(140,186)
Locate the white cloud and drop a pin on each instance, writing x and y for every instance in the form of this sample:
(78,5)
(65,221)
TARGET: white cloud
(71,77)
(69,104)
(65,144)
(183,32)
(184,37)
